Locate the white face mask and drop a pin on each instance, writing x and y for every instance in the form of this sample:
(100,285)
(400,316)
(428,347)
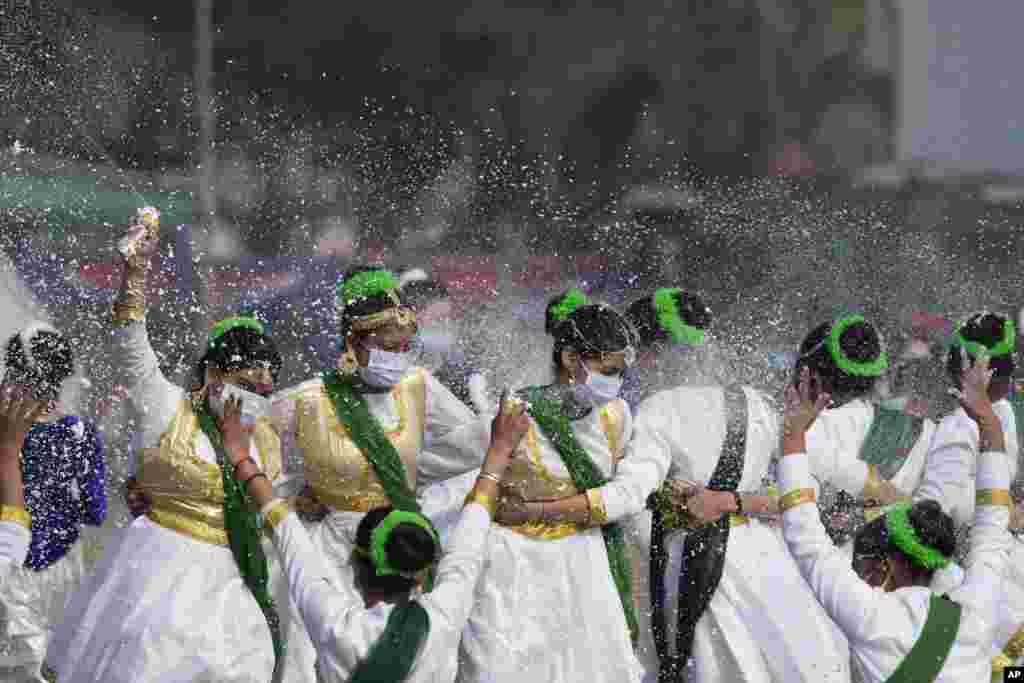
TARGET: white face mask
(385,369)
(254,406)
(599,389)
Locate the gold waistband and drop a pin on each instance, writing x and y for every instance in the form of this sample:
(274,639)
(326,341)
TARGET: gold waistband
(362,501)
(199,530)
(546,531)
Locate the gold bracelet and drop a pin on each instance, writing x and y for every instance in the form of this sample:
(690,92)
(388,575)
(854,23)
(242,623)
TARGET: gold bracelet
(797,497)
(491,477)
(279,509)
(19,515)
(484,500)
(597,511)
(993,497)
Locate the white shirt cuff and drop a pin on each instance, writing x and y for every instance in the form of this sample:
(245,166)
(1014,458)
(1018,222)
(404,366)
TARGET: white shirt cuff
(993,470)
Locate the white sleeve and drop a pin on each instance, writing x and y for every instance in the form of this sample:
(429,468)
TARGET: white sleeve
(990,542)
(947,474)
(14,542)
(647,461)
(851,602)
(341,628)
(833,449)
(451,600)
(154,399)
(455,439)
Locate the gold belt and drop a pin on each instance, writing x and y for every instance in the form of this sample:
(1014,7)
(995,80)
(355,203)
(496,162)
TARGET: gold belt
(189,526)
(351,502)
(546,531)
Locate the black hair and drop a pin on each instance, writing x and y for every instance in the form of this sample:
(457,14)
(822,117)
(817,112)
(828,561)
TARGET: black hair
(365,305)
(643,316)
(237,349)
(410,548)
(859,342)
(987,330)
(933,527)
(590,329)
(419,294)
(52,362)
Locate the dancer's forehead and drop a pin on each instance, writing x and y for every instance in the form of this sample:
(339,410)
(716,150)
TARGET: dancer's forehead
(391,334)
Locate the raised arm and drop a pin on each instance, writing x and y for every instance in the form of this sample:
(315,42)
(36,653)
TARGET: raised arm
(990,540)
(154,398)
(850,602)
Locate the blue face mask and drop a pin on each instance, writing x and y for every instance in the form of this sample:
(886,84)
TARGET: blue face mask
(599,389)
(385,368)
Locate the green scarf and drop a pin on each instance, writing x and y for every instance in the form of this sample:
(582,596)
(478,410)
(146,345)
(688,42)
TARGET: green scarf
(244,536)
(548,415)
(392,657)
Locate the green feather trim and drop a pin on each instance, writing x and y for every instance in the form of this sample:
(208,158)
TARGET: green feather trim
(670,322)
(902,534)
(365,285)
(572,300)
(1004,347)
(224,326)
(846,364)
(244,534)
(585,476)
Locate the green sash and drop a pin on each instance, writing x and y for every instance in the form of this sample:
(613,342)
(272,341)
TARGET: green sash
(391,658)
(585,475)
(926,658)
(892,436)
(244,537)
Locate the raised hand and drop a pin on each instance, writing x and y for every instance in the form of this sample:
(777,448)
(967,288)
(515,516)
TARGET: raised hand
(510,424)
(803,403)
(139,244)
(17,415)
(235,434)
(973,391)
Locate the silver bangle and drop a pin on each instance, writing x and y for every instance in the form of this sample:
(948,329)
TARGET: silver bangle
(487,475)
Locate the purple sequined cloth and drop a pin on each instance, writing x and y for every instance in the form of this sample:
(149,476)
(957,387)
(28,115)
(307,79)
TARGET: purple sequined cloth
(64,474)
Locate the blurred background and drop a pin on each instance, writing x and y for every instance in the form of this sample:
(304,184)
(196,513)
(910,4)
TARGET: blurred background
(788,159)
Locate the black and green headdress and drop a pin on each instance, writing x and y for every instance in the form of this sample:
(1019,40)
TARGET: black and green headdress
(588,328)
(237,343)
(368,298)
(851,344)
(670,314)
(985,334)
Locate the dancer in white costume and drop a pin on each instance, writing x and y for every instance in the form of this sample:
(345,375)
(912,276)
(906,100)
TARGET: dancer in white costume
(378,628)
(874,454)
(170,601)
(747,614)
(371,432)
(64,477)
(904,633)
(668,322)
(951,472)
(554,600)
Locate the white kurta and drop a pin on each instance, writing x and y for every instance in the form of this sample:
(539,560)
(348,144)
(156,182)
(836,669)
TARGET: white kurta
(834,443)
(455,441)
(161,606)
(882,626)
(548,610)
(343,630)
(762,624)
